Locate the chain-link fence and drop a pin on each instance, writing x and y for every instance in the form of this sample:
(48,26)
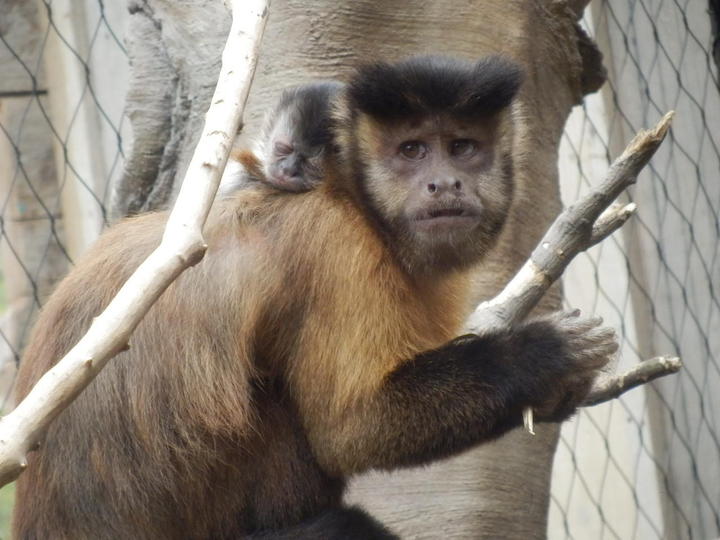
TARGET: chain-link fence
(58,150)
(648,465)
(644,466)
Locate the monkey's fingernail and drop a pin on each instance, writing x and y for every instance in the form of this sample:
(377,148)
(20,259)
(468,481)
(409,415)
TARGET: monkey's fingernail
(529,420)
(575,313)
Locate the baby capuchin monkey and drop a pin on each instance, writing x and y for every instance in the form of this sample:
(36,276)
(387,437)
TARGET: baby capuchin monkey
(317,338)
(292,146)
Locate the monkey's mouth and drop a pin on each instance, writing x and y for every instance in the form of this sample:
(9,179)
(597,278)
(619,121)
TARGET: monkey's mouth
(445,212)
(446,218)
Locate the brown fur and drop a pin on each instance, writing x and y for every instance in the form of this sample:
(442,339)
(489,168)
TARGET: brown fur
(174,418)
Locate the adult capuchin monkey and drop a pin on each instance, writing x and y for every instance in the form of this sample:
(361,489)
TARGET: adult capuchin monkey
(316,339)
(292,145)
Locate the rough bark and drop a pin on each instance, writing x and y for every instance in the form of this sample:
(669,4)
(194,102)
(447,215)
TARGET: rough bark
(503,486)
(174,48)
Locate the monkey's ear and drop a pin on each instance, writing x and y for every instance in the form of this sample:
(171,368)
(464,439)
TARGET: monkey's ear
(250,161)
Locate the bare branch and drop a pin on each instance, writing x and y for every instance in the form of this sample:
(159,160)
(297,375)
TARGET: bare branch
(182,246)
(614,386)
(574,230)
(580,226)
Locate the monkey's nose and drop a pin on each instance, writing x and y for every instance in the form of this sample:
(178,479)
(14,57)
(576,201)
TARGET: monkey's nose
(449,184)
(290,172)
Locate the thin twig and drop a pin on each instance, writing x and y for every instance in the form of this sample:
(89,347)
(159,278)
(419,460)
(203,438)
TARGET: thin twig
(612,387)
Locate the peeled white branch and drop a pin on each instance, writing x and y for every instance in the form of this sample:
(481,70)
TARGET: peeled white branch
(580,226)
(182,246)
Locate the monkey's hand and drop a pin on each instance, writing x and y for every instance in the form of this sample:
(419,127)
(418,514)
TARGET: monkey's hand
(563,353)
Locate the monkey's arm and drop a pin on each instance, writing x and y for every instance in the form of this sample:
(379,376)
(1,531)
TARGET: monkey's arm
(471,390)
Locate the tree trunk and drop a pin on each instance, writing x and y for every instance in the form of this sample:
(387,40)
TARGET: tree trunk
(500,489)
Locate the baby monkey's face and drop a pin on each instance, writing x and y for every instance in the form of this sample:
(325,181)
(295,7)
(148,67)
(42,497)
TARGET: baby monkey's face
(297,136)
(291,163)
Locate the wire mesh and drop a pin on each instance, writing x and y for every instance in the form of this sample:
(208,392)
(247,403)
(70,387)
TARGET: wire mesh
(644,466)
(647,465)
(50,178)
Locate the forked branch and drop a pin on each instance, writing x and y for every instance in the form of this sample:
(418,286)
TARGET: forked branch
(579,227)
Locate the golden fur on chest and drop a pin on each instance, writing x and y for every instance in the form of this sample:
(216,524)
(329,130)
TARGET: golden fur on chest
(362,314)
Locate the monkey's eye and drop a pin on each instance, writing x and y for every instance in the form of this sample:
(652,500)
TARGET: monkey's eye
(463,148)
(413,150)
(282,149)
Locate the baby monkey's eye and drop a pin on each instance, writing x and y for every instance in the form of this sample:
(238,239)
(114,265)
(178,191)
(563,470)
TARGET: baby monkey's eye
(463,147)
(413,149)
(282,149)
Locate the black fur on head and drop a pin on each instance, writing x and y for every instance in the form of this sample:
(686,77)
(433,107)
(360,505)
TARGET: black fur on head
(311,114)
(426,85)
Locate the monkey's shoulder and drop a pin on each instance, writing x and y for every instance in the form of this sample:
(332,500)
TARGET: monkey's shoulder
(312,220)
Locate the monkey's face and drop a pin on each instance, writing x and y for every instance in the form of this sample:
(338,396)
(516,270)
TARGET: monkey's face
(437,186)
(290,162)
